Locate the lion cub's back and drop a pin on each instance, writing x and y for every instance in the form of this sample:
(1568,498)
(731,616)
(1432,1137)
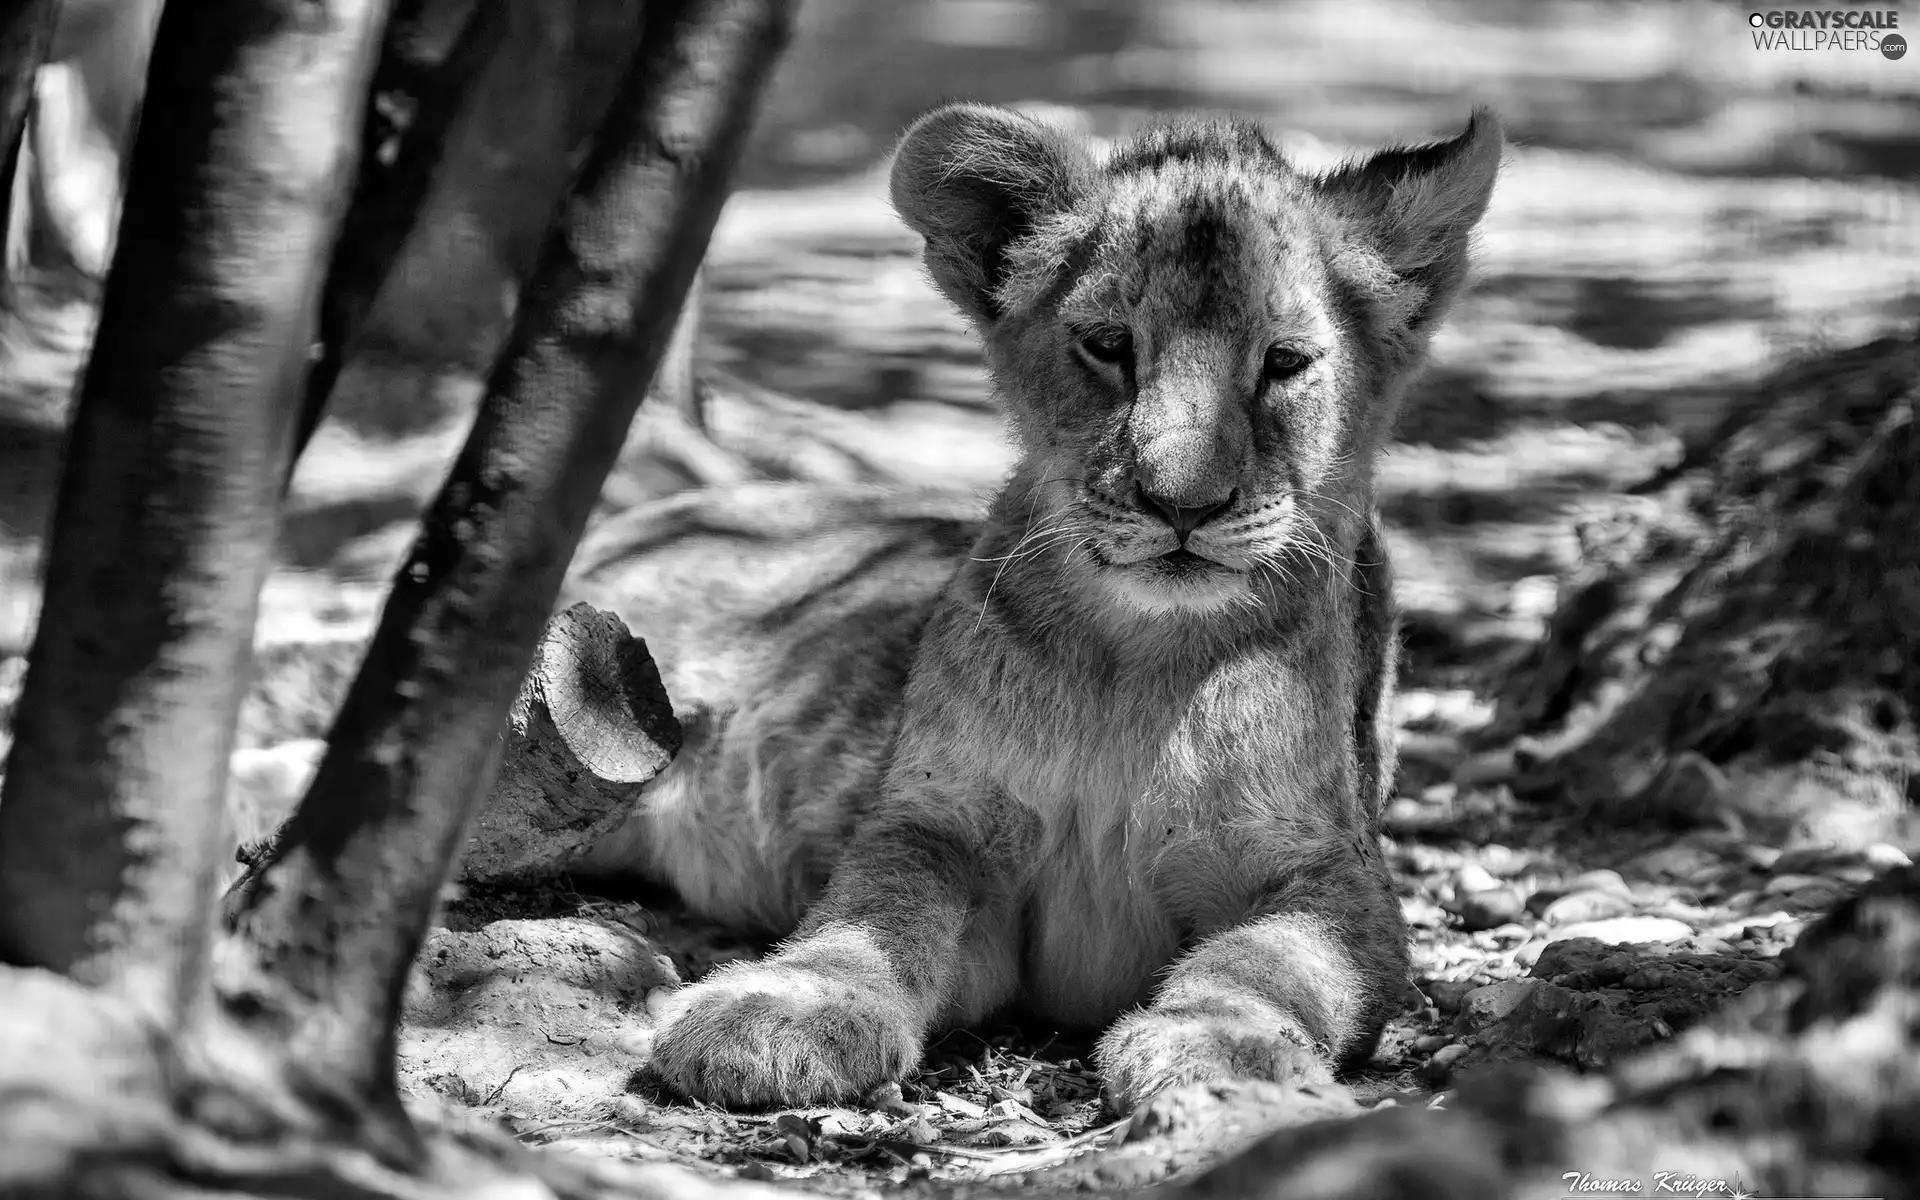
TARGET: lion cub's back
(784,618)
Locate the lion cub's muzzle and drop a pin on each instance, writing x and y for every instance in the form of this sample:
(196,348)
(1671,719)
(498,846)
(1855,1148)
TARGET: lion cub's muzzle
(1182,518)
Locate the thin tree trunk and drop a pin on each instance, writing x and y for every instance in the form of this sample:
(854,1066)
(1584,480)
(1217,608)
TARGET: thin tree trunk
(334,917)
(401,150)
(26,29)
(110,828)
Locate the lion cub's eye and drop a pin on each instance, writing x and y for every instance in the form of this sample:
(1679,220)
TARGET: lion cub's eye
(1283,363)
(1108,344)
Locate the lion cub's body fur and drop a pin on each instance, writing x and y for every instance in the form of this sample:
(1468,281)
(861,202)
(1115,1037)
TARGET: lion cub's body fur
(1123,742)
(786,619)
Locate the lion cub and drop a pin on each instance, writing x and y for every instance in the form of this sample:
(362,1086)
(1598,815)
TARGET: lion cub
(1117,757)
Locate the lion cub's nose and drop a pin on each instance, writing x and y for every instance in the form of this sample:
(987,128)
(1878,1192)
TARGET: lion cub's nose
(1185,518)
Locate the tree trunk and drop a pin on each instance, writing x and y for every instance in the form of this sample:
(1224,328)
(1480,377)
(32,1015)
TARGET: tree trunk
(415,100)
(26,29)
(333,919)
(110,829)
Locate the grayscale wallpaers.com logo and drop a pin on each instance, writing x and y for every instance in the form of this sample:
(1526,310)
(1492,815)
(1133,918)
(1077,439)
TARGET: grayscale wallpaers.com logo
(1829,29)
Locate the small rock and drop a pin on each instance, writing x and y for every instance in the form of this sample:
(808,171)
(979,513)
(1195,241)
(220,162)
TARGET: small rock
(1446,1056)
(1684,862)
(1533,597)
(1813,859)
(1429,1042)
(1884,856)
(1492,766)
(1686,914)
(1763,857)
(1819,895)
(1483,1006)
(1542,897)
(1448,993)
(1481,911)
(1624,931)
(1529,953)
(1570,956)
(1587,905)
(1503,861)
(1440,794)
(1601,879)
(1472,877)
(1407,815)
(1438,751)
(1781,884)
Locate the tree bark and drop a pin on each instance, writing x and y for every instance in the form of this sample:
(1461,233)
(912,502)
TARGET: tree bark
(415,101)
(26,29)
(332,921)
(110,829)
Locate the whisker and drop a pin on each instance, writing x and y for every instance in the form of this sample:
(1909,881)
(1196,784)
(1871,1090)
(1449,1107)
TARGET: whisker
(1062,522)
(1085,541)
(1334,500)
(1043,539)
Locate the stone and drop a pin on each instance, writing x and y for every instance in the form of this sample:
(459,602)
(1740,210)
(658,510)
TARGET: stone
(1485,1005)
(1884,856)
(1446,1056)
(1621,931)
(1472,877)
(1684,862)
(1583,906)
(1489,767)
(1601,879)
(1448,993)
(1780,884)
(1491,909)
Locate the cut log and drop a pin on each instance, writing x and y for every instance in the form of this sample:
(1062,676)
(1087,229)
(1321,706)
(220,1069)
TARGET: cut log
(591,724)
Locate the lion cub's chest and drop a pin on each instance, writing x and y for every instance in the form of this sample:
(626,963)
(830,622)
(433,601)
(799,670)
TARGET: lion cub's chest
(1125,872)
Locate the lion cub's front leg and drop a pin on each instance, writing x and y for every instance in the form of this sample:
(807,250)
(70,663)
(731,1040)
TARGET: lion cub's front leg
(847,1003)
(1301,986)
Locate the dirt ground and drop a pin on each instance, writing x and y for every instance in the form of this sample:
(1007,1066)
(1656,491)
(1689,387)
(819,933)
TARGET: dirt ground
(1682,217)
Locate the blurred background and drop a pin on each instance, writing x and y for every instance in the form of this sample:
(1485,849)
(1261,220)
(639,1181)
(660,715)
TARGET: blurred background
(1682,212)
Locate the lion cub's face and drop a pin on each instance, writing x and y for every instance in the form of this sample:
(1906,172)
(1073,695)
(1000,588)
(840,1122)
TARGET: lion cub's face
(1200,346)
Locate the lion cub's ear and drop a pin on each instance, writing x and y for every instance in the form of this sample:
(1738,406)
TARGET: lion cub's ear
(1414,209)
(972,180)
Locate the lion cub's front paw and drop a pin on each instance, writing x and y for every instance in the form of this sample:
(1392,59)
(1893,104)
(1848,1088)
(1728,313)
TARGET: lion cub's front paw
(1148,1052)
(764,1034)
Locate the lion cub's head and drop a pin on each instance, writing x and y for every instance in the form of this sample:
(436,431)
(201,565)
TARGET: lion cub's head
(1200,345)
